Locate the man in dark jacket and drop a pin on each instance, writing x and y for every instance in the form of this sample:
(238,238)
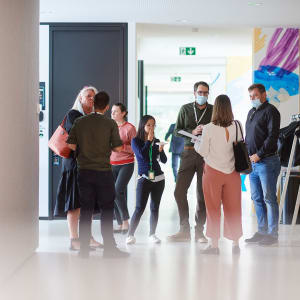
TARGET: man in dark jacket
(176,147)
(262,132)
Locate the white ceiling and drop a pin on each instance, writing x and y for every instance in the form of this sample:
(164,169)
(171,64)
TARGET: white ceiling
(199,13)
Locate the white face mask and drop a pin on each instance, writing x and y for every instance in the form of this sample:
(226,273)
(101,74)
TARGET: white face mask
(201,99)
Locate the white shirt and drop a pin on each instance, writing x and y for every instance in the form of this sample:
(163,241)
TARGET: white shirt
(215,149)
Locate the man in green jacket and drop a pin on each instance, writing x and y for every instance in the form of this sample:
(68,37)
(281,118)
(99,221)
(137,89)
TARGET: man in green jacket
(191,118)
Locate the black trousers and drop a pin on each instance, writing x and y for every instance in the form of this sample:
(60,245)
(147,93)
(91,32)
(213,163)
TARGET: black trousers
(145,188)
(122,174)
(96,187)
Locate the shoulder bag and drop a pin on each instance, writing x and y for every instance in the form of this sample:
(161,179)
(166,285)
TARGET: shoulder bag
(57,143)
(242,160)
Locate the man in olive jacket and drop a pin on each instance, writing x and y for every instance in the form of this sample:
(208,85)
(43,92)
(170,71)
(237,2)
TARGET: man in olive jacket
(191,118)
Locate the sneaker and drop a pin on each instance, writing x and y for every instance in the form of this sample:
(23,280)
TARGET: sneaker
(257,237)
(268,240)
(114,253)
(154,239)
(130,240)
(210,250)
(180,236)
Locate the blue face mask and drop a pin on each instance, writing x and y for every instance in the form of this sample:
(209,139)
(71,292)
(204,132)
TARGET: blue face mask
(201,99)
(256,103)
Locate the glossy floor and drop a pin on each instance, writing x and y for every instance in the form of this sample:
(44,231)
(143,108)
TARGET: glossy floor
(166,271)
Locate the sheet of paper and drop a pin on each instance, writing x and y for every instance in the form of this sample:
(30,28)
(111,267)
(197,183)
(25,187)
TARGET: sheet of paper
(193,137)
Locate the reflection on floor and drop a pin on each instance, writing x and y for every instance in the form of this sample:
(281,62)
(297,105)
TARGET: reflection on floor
(166,271)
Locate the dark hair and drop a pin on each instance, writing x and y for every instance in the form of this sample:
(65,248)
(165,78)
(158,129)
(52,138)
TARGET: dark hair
(122,108)
(222,112)
(141,130)
(258,86)
(101,100)
(200,83)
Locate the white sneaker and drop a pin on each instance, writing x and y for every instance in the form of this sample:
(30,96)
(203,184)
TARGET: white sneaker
(130,240)
(154,239)
(202,239)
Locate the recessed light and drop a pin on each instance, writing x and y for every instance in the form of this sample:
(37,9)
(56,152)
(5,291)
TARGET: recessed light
(255,3)
(182,21)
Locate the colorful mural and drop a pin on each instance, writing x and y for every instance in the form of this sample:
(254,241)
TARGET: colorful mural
(276,65)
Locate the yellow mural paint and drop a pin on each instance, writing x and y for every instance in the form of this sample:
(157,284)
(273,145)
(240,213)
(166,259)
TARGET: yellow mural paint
(237,66)
(258,42)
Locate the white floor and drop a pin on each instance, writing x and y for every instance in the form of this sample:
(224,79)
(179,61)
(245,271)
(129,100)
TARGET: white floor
(166,271)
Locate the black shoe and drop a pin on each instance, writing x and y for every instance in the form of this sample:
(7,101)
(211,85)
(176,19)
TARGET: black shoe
(114,253)
(257,237)
(210,250)
(268,240)
(118,230)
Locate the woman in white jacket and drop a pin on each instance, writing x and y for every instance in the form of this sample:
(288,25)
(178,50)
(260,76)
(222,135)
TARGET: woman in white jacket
(221,183)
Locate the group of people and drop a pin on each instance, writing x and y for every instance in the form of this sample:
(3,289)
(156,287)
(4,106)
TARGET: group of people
(95,177)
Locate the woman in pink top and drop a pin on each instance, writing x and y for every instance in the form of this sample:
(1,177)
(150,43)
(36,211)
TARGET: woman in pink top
(122,165)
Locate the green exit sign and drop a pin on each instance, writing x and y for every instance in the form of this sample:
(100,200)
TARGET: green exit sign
(187,51)
(176,79)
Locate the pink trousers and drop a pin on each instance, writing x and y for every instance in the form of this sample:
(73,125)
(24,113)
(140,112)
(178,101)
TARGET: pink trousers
(220,188)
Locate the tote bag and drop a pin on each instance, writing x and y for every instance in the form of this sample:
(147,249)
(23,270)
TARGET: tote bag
(57,143)
(242,160)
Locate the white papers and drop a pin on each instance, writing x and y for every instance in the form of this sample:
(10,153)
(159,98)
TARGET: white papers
(161,143)
(193,137)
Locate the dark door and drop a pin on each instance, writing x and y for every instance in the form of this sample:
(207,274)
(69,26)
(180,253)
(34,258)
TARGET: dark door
(81,55)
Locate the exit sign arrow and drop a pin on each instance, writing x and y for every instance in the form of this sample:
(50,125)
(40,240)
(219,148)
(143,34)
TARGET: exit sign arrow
(187,50)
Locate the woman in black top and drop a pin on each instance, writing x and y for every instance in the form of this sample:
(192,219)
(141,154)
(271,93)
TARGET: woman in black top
(67,198)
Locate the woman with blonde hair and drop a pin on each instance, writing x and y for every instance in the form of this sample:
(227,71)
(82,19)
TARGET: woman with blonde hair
(221,183)
(67,198)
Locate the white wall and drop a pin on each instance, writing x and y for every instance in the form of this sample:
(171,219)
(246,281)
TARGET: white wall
(18,132)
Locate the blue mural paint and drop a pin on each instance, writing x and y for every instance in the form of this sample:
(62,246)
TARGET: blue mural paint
(277,78)
(243,177)
(218,75)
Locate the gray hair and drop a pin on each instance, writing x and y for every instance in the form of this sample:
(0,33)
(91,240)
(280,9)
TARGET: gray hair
(77,105)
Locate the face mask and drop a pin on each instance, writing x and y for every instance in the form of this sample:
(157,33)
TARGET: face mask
(201,99)
(256,103)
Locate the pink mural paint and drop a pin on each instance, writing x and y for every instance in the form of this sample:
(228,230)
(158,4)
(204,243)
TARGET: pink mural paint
(283,51)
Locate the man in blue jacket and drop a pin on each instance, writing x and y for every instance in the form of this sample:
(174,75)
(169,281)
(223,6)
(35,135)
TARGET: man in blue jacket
(176,147)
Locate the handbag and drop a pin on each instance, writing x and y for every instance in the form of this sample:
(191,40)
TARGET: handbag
(242,160)
(58,141)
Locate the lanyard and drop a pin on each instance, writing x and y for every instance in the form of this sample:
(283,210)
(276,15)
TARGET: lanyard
(150,156)
(196,117)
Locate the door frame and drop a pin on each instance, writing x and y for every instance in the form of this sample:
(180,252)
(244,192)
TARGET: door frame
(123,28)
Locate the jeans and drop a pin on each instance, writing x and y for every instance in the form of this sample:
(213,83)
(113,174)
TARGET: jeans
(175,162)
(145,188)
(190,163)
(263,181)
(96,187)
(122,174)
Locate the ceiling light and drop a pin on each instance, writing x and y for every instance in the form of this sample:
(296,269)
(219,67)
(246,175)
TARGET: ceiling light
(255,3)
(182,21)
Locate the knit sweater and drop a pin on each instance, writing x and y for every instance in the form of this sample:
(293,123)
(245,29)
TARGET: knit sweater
(126,156)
